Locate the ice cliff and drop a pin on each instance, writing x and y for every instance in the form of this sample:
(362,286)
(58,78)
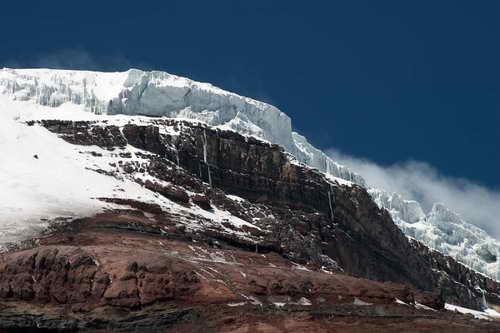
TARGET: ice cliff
(155,93)
(443,230)
(160,94)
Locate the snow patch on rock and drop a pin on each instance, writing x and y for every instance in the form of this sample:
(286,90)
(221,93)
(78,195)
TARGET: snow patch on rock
(161,94)
(84,95)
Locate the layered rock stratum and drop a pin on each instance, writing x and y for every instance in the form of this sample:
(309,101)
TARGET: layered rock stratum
(224,220)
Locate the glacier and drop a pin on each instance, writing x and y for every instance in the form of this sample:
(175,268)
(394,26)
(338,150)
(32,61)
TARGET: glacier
(44,179)
(443,230)
(160,94)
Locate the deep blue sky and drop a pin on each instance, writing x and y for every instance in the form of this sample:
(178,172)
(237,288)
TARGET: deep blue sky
(385,80)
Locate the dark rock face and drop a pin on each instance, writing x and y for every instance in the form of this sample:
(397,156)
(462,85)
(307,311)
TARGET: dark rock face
(84,133)
(202,202)
(144,137)
(41,275)
(456,280)
(173,193)
(305,253)
(313,221)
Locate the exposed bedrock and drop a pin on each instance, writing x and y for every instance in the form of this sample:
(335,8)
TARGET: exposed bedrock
(353,234)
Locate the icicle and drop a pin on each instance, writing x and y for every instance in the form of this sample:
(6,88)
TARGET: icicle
(330,203)
(209,176)
(174,148)
(205,156)
(85,93)
(205,146)
(330,195)
(483,300)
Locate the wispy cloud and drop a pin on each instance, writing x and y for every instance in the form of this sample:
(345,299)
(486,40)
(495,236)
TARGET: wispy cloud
(420,181)
(67,59)
(76,58)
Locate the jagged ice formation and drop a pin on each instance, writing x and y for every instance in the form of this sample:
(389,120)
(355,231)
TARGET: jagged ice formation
(155,93)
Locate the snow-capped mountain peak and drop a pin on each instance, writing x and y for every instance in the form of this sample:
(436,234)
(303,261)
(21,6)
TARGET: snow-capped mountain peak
(443,230)
(156,93)
(70,94)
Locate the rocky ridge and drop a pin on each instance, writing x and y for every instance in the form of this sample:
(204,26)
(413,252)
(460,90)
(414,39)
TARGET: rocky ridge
(306,243)
(161,94)
(218,224)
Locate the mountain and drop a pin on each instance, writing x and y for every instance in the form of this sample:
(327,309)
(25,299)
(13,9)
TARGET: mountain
(142,199)
(160,94)
(443,230)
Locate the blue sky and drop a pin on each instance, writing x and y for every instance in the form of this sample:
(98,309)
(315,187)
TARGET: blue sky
(389,81)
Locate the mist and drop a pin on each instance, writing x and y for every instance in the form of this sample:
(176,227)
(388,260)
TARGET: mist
(422,182)
(77,58)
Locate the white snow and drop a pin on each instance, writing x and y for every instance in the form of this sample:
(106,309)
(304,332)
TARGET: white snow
(84,95)
(359,302)
(43,177)
(445,231)
(424,307)
(338,180)
(304,301)
(398,301)
(136,92)
(300,267)
(487,314)
(236,304)
(235,198)
(55,184)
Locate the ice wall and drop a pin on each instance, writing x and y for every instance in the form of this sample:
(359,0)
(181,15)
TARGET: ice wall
(155,93)
(443,230)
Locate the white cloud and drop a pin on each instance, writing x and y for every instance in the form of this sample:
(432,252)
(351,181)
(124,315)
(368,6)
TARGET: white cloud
(422,182)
